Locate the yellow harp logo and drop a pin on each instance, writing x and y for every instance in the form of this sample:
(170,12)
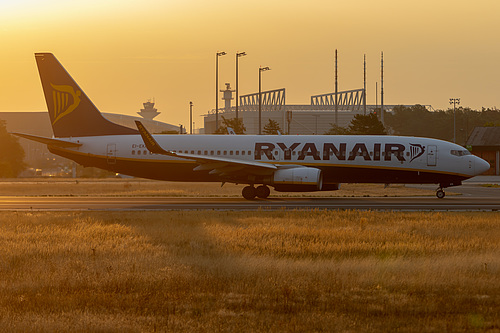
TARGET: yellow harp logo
(66,99)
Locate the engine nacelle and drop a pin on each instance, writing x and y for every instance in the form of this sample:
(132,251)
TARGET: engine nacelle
(298,180)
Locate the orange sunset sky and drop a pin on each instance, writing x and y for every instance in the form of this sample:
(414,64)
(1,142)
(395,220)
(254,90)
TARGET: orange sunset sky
(124,52)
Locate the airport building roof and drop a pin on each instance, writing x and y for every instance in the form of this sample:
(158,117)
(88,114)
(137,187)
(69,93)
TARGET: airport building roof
(485,137)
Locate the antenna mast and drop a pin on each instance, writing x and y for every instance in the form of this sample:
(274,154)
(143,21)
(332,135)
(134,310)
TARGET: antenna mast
(336,91)
(382,89)
(364,84)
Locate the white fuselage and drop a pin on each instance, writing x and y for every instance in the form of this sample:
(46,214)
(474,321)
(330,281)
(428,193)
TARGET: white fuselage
(385,159)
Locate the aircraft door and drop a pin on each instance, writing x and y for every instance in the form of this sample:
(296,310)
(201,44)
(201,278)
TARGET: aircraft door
(111,153)
(431,155)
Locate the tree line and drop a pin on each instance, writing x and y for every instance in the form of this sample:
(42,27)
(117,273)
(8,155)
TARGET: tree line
(11,154)
(418,121)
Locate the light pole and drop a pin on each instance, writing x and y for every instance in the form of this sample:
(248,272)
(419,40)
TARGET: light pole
(454,101)
(217,55)
(261,69)
(190,117)
(238,54)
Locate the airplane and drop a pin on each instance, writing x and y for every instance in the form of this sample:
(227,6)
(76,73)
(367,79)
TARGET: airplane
(288,163)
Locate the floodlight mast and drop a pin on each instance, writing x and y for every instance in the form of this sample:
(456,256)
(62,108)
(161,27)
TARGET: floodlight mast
(454,101)
(217,55)
(261,69)
(190,117)
(238,55)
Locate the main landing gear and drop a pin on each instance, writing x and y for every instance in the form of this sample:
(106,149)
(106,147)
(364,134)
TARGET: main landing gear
(440,193)
(250,192)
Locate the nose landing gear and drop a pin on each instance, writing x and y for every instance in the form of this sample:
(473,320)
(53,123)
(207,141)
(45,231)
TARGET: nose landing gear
(440,193)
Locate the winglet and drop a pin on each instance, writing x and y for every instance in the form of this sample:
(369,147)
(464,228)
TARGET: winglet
(150,142)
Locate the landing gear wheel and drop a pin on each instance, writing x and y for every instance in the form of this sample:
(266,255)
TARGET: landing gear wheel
(440,194)
(262,191)
(249,192)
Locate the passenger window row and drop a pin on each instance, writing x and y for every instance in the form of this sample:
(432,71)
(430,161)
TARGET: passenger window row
(141,152)
(275,152)
(216,152)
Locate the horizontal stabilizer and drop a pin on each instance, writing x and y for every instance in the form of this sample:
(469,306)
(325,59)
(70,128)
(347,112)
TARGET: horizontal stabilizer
(49,141)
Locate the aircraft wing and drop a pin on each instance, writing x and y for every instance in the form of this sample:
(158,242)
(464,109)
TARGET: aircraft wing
(217,165)
(49,141)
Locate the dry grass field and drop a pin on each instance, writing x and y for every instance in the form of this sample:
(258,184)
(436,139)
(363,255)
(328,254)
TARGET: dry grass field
(142,187)
(282,271)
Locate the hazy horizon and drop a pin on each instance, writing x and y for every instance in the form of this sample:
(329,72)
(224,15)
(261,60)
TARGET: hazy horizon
(123,53)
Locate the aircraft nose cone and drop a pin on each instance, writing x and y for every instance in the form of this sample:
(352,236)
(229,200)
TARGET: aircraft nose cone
(481,166)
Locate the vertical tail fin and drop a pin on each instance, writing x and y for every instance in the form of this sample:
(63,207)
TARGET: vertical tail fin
(72,114)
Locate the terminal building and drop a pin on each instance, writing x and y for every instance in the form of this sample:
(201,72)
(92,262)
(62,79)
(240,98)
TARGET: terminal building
(313,118)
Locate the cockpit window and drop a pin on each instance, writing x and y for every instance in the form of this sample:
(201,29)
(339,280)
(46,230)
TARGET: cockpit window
(463,152)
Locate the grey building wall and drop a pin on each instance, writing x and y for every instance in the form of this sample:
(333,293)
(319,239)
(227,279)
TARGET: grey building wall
(38,123)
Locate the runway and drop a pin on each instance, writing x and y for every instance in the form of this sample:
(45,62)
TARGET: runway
(451,203)
(478,194)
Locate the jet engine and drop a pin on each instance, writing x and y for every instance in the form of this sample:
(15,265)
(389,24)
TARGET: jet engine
(301,179)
